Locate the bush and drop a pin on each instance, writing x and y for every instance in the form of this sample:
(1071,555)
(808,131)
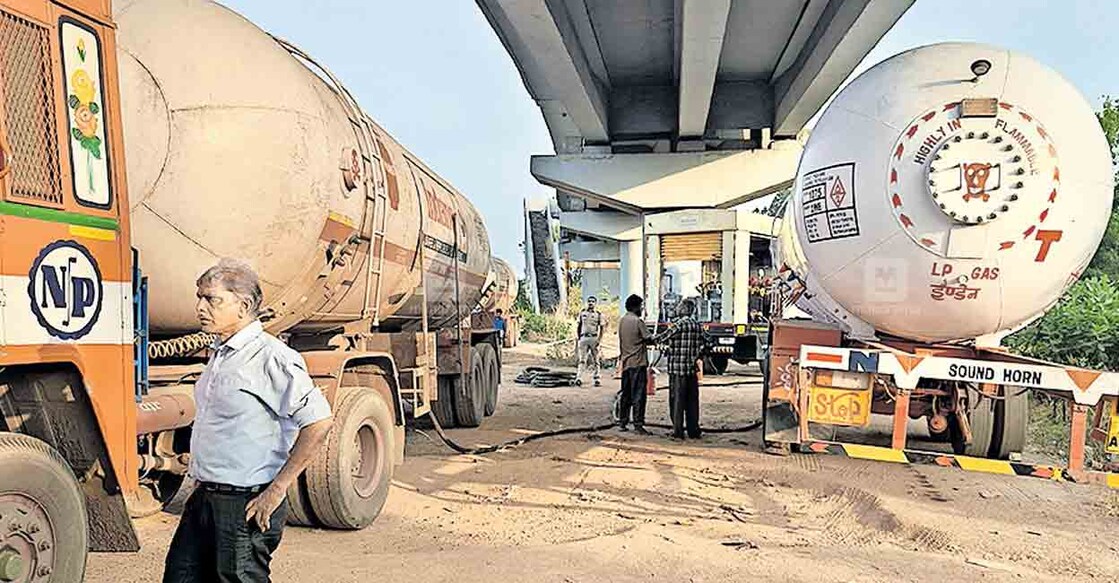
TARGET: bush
(1082,330)
(545,328)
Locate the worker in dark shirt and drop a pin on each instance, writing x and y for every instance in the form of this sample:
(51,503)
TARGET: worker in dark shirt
(685,341)
(633,341)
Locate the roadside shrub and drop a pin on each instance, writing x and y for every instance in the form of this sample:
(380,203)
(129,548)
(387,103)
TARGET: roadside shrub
(546,328)
(1082,330)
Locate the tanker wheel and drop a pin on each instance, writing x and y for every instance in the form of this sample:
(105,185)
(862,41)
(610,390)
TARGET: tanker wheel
(300,512)
(45,535)
(348,482)
(981,418)
(470,396)
(1012,414)
(493,376)
(709,366)
(720,363)
(443,408)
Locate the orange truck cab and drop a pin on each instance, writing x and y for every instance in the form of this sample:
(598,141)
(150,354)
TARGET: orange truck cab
(67,380)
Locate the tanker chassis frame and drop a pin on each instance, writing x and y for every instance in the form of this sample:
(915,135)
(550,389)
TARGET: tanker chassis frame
(818,385)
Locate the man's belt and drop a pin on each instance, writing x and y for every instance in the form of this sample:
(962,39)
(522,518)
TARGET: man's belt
(590,335)
(231,489)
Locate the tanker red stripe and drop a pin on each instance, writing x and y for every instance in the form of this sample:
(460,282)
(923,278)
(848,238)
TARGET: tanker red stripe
(912,130)
(896,200)
(1029,231)
(1041,132)
(1056,173)
(822,357)
(951,105)
(1025,116)
(893,175)
(1006,245)
(897,153)
(928,115)
(1005,105)
(1044,215)
(928,242)
(1053,195)
(905,220)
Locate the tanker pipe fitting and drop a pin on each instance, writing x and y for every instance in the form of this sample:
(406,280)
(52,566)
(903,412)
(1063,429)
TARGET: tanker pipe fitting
(156,463)
(165,412)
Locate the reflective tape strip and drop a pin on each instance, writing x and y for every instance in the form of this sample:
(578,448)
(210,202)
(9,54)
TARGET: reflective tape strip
(870,452)
(975,464)
(93,233)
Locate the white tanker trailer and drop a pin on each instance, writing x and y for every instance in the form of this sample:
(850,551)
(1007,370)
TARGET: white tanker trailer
(239,145)
(946,198)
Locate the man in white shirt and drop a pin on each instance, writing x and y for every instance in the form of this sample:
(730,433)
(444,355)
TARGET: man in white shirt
(259,421)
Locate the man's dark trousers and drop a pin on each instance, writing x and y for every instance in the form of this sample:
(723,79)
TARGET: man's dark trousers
(633,395)
(215,543)
(685,404)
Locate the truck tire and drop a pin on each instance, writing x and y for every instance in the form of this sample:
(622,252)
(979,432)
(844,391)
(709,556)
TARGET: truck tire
(708,367)
(981,418)
(470,393)
(300,512)
(720,363)
(443,408)
(348,482)
(1012,414)
(493,376)
(39,497)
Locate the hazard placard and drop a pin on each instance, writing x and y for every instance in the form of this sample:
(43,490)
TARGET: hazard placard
(828,200)
(838,191)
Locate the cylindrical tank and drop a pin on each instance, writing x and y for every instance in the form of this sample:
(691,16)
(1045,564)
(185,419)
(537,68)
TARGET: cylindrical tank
(237,148)
(952,192)
(505,286)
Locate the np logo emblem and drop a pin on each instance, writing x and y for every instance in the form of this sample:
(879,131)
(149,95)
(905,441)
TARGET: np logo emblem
(65,289)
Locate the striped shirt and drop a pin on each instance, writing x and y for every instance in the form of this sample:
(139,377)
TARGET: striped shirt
(686,341)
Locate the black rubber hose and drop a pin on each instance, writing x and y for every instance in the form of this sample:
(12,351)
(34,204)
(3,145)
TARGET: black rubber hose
(558,432)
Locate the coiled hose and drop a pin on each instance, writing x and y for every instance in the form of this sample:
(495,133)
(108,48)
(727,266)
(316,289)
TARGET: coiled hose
(181,346)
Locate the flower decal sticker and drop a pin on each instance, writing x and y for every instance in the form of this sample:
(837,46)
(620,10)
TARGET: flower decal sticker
(82,62)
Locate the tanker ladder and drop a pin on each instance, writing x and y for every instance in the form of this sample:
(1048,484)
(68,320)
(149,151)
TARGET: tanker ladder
(821,391)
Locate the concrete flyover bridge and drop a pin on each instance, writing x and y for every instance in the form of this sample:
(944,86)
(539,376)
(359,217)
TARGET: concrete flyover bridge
(659,105)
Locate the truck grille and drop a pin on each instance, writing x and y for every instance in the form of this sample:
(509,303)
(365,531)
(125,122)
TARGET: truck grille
(27,87)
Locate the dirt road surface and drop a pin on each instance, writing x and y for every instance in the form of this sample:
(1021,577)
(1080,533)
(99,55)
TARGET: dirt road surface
(615,506)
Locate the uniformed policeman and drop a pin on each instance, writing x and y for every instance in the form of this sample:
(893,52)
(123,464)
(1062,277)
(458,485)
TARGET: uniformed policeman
(589,330)
(260,420)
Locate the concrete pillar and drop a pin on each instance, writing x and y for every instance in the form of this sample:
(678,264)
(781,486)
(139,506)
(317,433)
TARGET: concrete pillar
(652,277)
(742,276)
(728,276)
(632,271)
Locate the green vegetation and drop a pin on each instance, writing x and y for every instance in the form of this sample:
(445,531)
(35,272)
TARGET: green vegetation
(1083,329)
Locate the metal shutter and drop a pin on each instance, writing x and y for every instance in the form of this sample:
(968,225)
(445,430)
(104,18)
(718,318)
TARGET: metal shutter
(692,247)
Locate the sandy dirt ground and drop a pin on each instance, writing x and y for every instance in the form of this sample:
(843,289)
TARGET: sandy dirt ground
(614,506)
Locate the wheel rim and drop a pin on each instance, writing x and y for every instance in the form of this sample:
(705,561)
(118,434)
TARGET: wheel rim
(27,539)
(368,459)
